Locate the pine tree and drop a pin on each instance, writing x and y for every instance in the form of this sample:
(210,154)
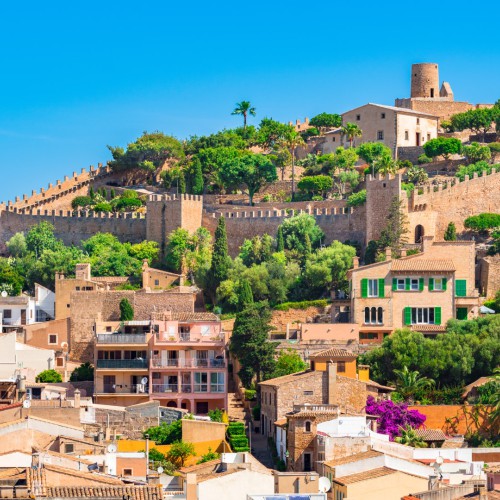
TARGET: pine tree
(197,179)
(394,233)
(245,295)
(280,241)
(91,192)
(451,232)
(112,193)
(181,181)
(126,310)
(219,270)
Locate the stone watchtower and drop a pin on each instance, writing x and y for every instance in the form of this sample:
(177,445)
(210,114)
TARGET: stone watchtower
(166,213)
(425,80)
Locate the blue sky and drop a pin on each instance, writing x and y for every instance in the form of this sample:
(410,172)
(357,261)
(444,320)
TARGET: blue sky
(77,76)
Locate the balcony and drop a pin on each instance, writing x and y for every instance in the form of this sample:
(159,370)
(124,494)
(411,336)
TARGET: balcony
(165,337)
(121,338)
(123,364)
(188,363)
(165,388)
(122,389)
(188,389)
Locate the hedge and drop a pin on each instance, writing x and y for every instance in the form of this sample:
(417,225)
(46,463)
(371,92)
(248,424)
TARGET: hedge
(304,304)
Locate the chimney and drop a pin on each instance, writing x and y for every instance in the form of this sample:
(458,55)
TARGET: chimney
(77,398)
(332,383)
(355,262)
(388,253)
(403,252)
(364,373)
(483,494)
(191,486)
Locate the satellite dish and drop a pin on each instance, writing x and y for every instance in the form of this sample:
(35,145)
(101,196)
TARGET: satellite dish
(144,380)
(324,484)
(4,293)
(160,470)
(26,403)
(439,460)
(112,448)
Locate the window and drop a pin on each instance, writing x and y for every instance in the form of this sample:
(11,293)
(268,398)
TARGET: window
(358,117)
(428,137)
(216,382)
(374,316)
(307,426)
(382,115)
(156,375)
(205,330)
(368,336)
(372,288)
(200,382)
(462,313)
(69,448)
(437,284)
(7,313)
(340,366)
(422,315)
(202,407)
(400,283)
(380,135)
(157,282)
(59,362)
(418,121)
(52,338)
(461,288)
(334,139)
(127,472)
(308,393)
(414,284)
(407,135)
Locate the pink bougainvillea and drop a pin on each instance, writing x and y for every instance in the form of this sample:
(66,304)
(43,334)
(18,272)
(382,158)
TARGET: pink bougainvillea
(393,416)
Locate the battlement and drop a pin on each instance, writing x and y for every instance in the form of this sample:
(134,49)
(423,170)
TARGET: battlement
(80,214)
(58,190)
(175,197)
(281,214)
(381,177)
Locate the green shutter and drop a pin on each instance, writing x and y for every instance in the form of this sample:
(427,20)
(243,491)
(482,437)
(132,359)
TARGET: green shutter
(431,284)
(364,288)
(462,313)
(461,288)
(437,315)
(421,284)
(407,283)
(381,288)
(394,284)
(444,284)
(407,312)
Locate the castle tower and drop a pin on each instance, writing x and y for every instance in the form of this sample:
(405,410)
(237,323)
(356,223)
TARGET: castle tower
(425,80)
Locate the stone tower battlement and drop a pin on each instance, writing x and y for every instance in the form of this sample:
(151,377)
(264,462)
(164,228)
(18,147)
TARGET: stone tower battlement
(424,80)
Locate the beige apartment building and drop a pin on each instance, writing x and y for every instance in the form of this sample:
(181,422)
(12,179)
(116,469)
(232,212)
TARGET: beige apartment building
(421,291)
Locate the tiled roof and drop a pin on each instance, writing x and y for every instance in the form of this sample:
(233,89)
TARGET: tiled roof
(91,476)
(477,383)
(334,352)
(353,458)
(421,265)
(7,407)
(310,413)
(194,316)
(286,379)
(428,328)
(193,468)
(377,385)
(364,476)
(110,279)
(280,422)
(431,434)
(132,492)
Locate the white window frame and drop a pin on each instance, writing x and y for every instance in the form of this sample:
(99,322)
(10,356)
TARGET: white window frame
(401,284)
(422,316)
(53,343)
(414,285)
(438,284)
(200,381)
(372,288)
(218,385)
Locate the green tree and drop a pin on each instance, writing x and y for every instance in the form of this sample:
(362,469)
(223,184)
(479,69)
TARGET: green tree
(281,158)
(178,242)
(179,452)
(292,140)
(197,184)
(478,120)
(316,185)
(374,153)
(11,280)
(410,383)
(443,146)
(272,133)
(280,241)
(394,234)
(245,296)
(41,237)
(219,269)
(351,131)
(416,174)
(451,232)
(483,222)
(84,372)
(295,229)
(17,246)
(288,362)
(244,108)
(209,456)
(326,120)
(165,433)
(251,170)
(49,377)
(81,201)
(475,152)
(409,437)
(342,159)
(250,343)
(371,252)
(126,310)
(214,160)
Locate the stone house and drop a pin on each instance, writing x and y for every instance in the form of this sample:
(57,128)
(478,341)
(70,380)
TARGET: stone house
(421,291)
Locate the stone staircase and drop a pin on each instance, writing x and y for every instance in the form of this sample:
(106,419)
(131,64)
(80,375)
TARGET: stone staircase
(236,410)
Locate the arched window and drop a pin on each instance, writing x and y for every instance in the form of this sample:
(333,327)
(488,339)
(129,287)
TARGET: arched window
(308,426)
(419,233)
(380,316)
(367,315)
(373,315)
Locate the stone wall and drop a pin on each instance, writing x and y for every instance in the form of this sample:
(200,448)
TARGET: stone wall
(410,153)
(280,319)
(489,275)
(441,107)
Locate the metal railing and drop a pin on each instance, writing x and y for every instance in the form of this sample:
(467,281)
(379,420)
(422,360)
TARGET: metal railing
(188,363)
(123,363)
(121,338)
(165,388)
(124,389)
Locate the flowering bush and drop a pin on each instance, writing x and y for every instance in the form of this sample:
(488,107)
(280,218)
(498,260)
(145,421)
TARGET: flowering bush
(392,417)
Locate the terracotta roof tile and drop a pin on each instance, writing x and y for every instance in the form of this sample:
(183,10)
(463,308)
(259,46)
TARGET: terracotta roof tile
(428,328)
(354,458)
(94,477)
(194,316)
(7,407)
(280,422)
(334,352)
(421,265)
(286,379)
(364,476)
(133,492)
(431,434)
(477,383)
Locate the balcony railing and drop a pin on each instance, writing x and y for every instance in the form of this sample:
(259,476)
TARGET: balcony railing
(121,338)
(165,388)
(188,363)
(123,363)
(124,389)
(187,388)
(189,337)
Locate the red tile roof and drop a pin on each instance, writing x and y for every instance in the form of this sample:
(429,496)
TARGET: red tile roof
(422,265)
(334,352)
(364,476)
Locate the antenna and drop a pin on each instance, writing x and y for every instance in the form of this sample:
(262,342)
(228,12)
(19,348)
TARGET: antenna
(324,484)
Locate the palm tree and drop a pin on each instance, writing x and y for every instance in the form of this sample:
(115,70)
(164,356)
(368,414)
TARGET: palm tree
(292,140)
(410,382)
(386,165)
(351,130)
(244,108)
(410,438)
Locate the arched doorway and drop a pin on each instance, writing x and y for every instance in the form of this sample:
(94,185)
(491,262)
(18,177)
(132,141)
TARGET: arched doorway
(419,233)
(172,404)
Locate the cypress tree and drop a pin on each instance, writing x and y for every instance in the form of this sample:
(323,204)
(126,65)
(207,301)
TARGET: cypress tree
(245,294)
(181,180)
(126,310)
(280,241)
(219,269)
(197,179)
(91,192)
(451,232)
(112,193)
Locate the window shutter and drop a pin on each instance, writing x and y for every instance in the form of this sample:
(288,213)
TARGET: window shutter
(444,284)
(381,288)
(421,284)
(461,288)
(461,313)
(407,283)
(364,288)
(437,315)
(431,284)
(407,312)
(394,284)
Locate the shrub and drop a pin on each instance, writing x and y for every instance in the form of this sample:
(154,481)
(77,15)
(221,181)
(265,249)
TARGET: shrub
(424,159)
(451,232)
(256,412)
(81,201)
(416,175)
(49,377)
(102,206)
(216,415)
(126,310)
(128,204)
(470,170)
(304,304)
(84,372)
(494,147)
(442,146)
(210,455)
(482,222)
(408,187)
(250,394)
(357,199)
(475,152)
(315,185)
(165,433)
